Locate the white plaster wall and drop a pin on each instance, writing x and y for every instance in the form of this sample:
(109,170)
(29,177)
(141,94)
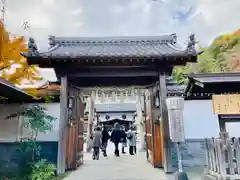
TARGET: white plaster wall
(233,129)
(199,119)
(53,109)
(10,130)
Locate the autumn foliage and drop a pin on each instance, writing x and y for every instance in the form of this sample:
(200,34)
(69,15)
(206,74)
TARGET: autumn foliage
(223,55)
(13,66)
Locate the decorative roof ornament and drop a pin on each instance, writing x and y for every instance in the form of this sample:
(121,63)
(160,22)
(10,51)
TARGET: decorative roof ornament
(32,47)
(191,44)
(52,41)
(174,36)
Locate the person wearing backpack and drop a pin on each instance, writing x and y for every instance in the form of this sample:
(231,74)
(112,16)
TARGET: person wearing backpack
(116,138)
(124,139)
(105,138)
(132,141)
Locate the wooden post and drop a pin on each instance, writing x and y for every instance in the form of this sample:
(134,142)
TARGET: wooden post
(62,126)
(152,125)
(90,122)
(222,126)
(139,121)
(164,123)
(145,123)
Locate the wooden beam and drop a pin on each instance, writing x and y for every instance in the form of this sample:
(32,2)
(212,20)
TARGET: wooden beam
(117,67)
(114,74)
(62,126)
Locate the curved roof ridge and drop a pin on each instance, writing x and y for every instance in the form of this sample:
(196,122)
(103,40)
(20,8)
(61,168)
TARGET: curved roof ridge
(53,40)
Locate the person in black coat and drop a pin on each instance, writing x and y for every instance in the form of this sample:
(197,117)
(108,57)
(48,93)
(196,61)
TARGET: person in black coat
(116,138)
(124,140)
(105,138)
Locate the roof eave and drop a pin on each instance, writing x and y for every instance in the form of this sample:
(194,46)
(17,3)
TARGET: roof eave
(24,95)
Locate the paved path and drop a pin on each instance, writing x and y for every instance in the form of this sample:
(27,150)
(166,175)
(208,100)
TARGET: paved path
(125,167)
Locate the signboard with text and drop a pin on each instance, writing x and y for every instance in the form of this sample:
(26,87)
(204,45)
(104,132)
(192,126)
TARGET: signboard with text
(226,104)
(176,126)
(175,107)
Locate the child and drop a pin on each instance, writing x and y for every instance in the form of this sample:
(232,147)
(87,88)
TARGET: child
(97,143)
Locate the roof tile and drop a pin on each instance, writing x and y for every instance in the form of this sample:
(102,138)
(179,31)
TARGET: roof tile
(114,46)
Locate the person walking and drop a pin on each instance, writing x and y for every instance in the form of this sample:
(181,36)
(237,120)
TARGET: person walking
(116,138)
(124,140)
(132,141)
(105,138)
(96,142)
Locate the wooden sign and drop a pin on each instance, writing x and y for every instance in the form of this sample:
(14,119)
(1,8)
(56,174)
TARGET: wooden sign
(226,104)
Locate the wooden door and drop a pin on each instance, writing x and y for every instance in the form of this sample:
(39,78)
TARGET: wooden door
(74,145)
(153,133)
(71,147)
(157,144)
(149,132)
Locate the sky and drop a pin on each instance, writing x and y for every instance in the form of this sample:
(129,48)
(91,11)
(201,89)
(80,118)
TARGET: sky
(88,18)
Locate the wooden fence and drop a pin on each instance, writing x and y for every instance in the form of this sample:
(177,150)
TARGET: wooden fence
(223,157)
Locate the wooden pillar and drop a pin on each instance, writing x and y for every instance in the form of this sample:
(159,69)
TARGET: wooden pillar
(90,122)
(145,124)
(222,126)
(80,130)
(139,120)
(62,126)
(166,142)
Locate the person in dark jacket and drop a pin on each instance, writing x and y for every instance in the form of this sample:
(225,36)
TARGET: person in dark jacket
(124,140)
(105,138)
(116,138)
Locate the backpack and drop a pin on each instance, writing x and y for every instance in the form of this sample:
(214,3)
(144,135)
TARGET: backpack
(129,136)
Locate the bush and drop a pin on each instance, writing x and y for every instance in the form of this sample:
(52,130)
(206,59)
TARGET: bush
(43,171)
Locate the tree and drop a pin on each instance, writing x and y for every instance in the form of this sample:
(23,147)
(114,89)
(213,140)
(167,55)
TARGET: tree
(13,66)
(223,55)
(32,166)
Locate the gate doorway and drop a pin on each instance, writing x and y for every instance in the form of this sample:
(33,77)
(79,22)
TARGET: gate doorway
(110,124)
(106,62)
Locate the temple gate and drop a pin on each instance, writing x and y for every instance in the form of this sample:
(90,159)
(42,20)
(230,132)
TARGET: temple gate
(114,61)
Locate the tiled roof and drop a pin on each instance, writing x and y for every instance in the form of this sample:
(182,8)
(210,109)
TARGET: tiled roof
(215,77)
(115,107)
(152,46)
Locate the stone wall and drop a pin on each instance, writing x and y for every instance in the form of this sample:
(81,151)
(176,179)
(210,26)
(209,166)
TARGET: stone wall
(193,154)
(11,156)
